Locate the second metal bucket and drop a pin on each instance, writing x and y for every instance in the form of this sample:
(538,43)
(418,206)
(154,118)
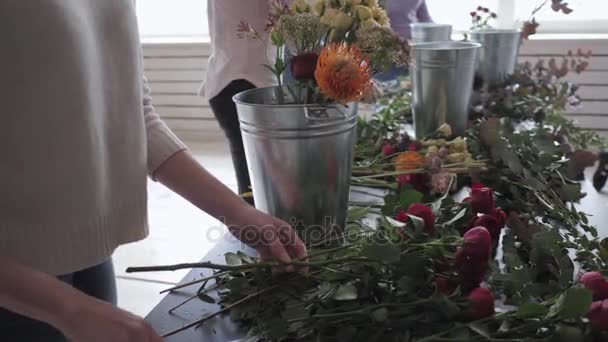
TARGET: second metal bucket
(430,32)
(442,78)
(498,56)
(300,159)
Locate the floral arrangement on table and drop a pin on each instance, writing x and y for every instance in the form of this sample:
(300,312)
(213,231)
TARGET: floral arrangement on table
(513,261)
(335,47)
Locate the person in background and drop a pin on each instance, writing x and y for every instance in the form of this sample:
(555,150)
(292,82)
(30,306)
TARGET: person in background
(402,13)
(79,135)
(235,65)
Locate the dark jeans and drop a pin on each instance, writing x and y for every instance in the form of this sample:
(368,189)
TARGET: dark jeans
(224,110)
(97,281)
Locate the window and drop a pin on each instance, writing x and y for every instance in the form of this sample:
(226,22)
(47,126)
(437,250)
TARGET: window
(168,19)
(589,16)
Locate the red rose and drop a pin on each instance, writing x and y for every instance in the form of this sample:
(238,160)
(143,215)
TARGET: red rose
(482,303)
(418,181)
(415,146)
(473,14)
(480,8)
(500,216)
(303,66)
(388,150)
(402,217)
(598,315)
(478,244)
(490,223)
(482,200)
(596,283)
(472,268)
(445,285)
(426,214)
(478,186)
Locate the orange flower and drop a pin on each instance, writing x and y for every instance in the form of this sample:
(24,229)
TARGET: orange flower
(410,160)
(342,73)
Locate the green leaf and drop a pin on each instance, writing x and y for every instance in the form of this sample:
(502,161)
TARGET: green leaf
(206,298)
(386,252)
(277,328)
(574,303)
(380,315)
(409,196)
(233,259)
(531,310)
(355,214)
(346,292)
(390,204)
(457,217)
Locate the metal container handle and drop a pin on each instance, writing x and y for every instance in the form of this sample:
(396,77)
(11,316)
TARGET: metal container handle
(319,114)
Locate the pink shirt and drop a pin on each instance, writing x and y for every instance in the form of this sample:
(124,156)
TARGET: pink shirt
(233,58)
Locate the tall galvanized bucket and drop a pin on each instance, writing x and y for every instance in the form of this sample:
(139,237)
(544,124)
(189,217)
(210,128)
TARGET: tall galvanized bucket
(442,78)
(300,159)
(430,32)
(498,55)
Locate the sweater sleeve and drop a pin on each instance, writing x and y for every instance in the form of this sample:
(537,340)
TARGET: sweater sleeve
(162,143)
(423,13)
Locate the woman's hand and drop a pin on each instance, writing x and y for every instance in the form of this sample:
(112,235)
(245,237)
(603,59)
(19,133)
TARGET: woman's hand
(274,239)
(91,320)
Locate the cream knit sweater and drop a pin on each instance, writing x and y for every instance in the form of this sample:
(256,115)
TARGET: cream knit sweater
(78,133)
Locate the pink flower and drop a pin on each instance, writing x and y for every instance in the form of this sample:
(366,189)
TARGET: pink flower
(596,283)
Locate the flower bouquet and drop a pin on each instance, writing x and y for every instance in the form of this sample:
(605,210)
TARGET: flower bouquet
(334,48)
(299,137)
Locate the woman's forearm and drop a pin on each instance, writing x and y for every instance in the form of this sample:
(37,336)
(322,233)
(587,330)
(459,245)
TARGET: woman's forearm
(184,175)
(35,294)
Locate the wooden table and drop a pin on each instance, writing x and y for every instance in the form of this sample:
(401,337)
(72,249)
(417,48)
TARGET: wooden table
(222,329)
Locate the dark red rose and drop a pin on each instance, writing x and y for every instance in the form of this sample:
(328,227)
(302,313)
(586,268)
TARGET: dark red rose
(417,181)
(388,150)
(303,66)
(494,15)
(478,244)
(415,146)
(480,8)
(445,285)
(426,214)
(598,315)
(490,223)
(473,14)
(482,303)
(402,217)
(596,283)
(500,216)
(486,10)
(482,200)
(478,186)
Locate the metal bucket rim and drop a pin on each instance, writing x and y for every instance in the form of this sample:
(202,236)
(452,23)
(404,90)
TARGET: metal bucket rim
(496,31)
(417,25)
(238,100)
(445,46)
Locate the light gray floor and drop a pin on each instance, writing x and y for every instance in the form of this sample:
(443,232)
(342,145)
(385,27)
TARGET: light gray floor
(179,232)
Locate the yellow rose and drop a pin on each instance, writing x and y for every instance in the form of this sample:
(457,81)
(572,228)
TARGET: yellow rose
(300,6)
(337,20)
(319,7)
(363,13)
(445,130)
(380,16)
(369,23)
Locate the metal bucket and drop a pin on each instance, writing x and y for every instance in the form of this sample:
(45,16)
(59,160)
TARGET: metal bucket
(442,78)
(300,159)
(430,32)
(498,55)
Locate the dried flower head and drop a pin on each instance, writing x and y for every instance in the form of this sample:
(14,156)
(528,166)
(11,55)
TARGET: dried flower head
(303,31)
(529,29)
(384,47)
(245,30)
(410,160)
(343,73)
